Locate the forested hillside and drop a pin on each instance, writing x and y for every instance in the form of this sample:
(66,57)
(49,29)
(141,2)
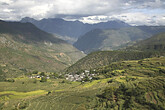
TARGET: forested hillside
(102,58)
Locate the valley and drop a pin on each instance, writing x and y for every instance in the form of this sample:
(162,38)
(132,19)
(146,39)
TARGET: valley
(112,65)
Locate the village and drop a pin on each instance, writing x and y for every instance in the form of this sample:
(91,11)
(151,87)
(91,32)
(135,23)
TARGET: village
(84,76)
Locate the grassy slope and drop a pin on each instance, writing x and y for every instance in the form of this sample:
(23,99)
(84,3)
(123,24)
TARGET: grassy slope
(75,95)
(24,47)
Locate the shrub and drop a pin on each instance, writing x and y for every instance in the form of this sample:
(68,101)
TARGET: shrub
(140,62)
(35,72)
(10,80)
(23,105)
(34,81)
(49,92)
(42,74)
(61,76)
(56,75)
(43,79)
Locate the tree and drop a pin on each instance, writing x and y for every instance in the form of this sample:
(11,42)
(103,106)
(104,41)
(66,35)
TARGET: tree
(109,93)
(10,80)
(42,74)
(43,79)
(56,75)
(140,62)
(86,79)
(35,72)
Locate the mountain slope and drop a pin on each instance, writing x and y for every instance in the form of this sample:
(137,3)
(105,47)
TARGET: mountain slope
(111,39)
(154,46)
(155,43)
(23,47)
(102,58)
(108,39)
(72,29)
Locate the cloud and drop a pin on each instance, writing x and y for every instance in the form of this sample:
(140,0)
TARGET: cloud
(132,18)
(51,8)
(85,10)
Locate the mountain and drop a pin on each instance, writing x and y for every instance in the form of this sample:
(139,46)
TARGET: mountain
(152,29)
(103,58)
(72,29)
(110,39)
(155,43)
(24,47)
(153,46)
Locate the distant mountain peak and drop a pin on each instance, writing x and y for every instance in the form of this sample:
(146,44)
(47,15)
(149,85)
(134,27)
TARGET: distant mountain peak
(2,21)
(27,19)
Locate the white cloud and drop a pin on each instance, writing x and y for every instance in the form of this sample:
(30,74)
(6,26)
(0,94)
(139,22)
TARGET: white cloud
(6,1)
(91,11)
(51,8)
(131,18)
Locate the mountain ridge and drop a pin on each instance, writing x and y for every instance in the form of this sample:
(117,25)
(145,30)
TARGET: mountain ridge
(72,29)
(154,43)
(112,39)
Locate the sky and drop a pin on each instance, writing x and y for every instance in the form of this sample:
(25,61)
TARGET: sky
(133,12)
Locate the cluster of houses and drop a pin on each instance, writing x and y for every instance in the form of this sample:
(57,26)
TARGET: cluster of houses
(83,76)
(80,77)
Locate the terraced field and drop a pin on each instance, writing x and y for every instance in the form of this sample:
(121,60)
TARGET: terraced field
(129,86)
(62,96)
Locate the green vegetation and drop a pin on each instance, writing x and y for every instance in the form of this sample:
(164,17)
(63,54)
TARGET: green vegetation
(146,94)
(141,85)
(133,84)
(43,79)
(2,75)
(102,58)
(148,67)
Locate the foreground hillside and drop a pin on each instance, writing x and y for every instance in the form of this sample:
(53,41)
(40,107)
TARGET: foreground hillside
(24,48)
(102,58)
(111,39)
(134,84)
